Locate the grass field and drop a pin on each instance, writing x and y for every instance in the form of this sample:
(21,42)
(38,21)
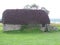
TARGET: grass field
(31,38)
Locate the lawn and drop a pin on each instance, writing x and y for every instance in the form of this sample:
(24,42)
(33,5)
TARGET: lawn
(31,38)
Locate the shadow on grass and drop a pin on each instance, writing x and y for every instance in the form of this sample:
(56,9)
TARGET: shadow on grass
(22,31)
(28,32)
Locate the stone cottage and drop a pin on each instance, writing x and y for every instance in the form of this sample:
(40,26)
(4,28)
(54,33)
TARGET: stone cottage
(13,19)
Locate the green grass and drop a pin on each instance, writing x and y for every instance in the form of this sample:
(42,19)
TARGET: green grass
(29,37)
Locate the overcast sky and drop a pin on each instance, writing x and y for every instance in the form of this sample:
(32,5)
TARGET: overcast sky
(52,5)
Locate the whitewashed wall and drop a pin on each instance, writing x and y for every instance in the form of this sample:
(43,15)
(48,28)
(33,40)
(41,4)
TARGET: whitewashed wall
(8,27)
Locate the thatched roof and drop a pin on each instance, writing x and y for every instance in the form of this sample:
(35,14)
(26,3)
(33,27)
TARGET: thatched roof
(25,16)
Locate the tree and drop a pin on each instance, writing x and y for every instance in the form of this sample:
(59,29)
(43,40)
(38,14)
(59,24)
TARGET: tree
(34,6)
(27,7)
(43,8)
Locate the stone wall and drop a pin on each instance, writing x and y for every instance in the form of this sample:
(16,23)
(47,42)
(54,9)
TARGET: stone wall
(47,27)
(8,27)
